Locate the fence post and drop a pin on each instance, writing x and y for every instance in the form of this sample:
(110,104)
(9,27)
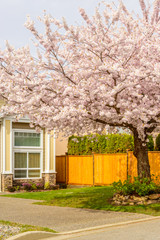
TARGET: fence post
(66,168)
(127,164)
(93,169)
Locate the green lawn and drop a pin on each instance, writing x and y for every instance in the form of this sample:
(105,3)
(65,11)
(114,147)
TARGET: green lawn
(88,197)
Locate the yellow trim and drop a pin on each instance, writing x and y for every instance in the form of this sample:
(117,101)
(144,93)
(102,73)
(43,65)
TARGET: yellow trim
(46,150)
(52,151)
(44,147)
(2,143)
(1,165)
(7,145)
(19,125)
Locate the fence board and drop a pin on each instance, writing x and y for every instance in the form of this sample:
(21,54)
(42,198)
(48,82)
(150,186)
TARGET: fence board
(61,169)
(80,170)
(110,168)
(154,160)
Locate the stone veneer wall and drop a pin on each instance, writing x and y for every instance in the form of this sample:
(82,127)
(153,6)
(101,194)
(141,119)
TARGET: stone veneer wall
(49,178)
(46,178)
(7,181)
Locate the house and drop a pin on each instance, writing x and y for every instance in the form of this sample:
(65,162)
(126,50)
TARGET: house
(25,155)
(61,145)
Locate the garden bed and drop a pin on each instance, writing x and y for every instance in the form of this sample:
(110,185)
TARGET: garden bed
(32,187)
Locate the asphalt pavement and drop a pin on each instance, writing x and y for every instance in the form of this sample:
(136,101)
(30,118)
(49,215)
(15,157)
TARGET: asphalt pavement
(78,224)
(149,230)
(60,219)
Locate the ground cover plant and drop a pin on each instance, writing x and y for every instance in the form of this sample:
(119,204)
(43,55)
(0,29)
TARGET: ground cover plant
(89,197)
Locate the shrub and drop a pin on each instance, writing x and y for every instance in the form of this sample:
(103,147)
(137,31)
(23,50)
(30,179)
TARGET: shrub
(99,144)
(33,186)
(141,187)
(63,186)
(54,187)
(144,186)
(40,186)
(111,143)
(124,188)
(17,188)
(158,142)
(27,186)
(11,189)
(19,184)
(47,185)
(150,143)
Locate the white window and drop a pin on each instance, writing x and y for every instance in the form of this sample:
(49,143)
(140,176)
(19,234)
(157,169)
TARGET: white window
(27,139)
(27,164)
(27,154)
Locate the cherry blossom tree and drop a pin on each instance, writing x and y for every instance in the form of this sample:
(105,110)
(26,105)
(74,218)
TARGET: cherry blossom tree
(103,72)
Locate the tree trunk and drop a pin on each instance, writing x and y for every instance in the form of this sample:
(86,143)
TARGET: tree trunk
(141,153)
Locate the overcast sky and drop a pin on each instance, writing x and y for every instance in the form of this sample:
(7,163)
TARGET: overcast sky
(13,15)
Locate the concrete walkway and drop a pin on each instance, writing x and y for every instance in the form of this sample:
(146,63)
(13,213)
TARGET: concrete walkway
(59,218)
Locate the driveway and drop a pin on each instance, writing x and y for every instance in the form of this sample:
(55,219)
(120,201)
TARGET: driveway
(61,219)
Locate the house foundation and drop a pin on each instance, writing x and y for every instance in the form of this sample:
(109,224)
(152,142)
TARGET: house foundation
(6,181)
(49,178)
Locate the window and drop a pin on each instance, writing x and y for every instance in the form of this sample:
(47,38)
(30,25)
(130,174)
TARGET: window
(27,150)
(27,164)
(26,139)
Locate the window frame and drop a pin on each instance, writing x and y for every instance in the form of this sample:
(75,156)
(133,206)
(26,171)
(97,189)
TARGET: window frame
(27,149)
(27,168)
(27,131)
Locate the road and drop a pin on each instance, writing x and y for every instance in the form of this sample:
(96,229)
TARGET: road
(141,231)
(149,230)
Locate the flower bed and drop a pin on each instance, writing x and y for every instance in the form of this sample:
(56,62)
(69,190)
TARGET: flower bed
(140,191)
(33,187)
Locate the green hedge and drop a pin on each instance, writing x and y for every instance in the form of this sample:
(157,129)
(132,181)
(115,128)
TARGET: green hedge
(111,143)
(150,144)
(158,142)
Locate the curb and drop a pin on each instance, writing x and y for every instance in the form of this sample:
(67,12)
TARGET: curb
(31,233)
(109,225)
(16,237)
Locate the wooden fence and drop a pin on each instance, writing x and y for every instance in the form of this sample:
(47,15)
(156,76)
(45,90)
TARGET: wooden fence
(101,169)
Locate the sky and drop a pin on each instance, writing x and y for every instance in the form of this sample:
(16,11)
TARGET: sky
(13,15)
